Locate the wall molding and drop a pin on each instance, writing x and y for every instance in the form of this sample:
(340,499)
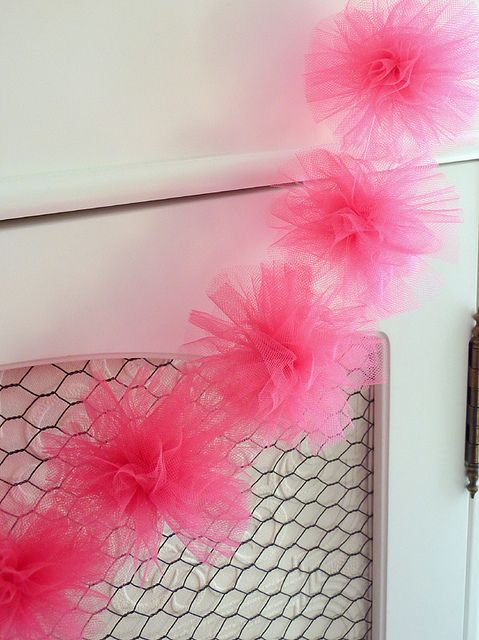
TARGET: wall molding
(381,497)
(79,190)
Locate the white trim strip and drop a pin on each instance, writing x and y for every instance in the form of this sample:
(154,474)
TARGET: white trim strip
(98,356)
(471,608)
(381,498)
(40,194)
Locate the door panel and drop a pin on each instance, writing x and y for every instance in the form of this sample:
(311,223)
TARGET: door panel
(123,280)
(427,532)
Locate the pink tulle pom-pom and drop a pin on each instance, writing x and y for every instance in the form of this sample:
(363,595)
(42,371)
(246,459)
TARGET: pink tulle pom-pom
(396,78)
(46,567)
(145,456)
(283,358)
(368,228)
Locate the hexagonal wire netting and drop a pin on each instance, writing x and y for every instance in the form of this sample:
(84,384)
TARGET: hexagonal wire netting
(303,571)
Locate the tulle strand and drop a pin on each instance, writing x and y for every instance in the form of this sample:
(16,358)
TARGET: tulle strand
(396,78)
(369,228)
(149,455)
(282,356)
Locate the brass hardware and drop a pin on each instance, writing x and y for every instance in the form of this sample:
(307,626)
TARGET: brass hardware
(472,416)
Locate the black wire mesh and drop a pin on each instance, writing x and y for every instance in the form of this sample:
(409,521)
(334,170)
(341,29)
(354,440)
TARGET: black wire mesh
(303,571)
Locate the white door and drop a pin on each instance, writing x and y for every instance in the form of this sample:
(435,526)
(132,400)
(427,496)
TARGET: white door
(169,99)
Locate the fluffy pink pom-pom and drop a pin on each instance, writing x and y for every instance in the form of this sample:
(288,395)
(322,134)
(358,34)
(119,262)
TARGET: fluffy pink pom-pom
(146,456)
(368,228)
(46,567)
(282,357)
(396,78)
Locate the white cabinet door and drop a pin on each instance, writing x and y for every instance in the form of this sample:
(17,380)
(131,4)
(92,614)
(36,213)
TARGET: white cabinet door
(123,280)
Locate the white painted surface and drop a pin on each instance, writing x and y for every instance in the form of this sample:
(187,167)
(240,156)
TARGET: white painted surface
(381,502)
(471,609)
(39,194)
(428,504)
(78,190)
(107,102)
(122,279)
(103,83)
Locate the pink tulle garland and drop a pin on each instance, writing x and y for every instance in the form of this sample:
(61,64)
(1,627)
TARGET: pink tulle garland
(47,567)
(367,228)
(290,339)
(281,356)
(148,456)
(397,78)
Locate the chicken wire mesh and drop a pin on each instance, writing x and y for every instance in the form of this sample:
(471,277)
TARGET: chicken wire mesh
(304,570)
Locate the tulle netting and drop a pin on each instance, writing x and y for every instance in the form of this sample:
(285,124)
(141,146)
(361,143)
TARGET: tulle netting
(366,227)
(282,356)
(395,79)
(148,455)
(48,567)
